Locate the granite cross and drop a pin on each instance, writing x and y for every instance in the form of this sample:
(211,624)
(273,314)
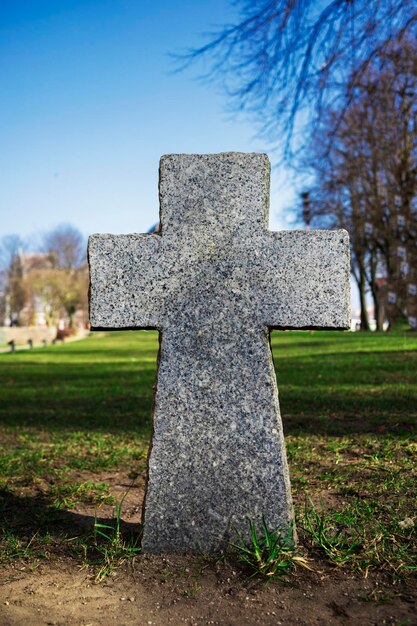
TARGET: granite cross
(214,281)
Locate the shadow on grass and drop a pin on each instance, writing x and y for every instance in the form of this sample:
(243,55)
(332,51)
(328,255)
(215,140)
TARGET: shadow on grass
(332,393)
(334,425)
(33,519)
(121,401)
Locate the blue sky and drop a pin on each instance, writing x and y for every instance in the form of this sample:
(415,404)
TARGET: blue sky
(90,102)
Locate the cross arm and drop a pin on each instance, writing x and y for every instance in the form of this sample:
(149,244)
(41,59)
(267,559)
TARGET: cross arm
(124,285)
(306,279)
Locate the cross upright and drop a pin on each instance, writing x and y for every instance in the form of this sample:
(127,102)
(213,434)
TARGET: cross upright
(214,282)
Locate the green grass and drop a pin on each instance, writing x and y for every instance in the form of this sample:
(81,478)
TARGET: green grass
(268,554)
(68,495)
(70,413)
(110,545)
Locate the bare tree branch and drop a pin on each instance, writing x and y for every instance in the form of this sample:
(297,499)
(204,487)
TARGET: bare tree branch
(286,61)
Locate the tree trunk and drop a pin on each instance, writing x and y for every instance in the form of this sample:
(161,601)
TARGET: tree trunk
(375,298)
(362,300)
(360,278)
(373,285)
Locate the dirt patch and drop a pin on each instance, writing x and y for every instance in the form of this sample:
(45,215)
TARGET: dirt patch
(160,590)
(157,590)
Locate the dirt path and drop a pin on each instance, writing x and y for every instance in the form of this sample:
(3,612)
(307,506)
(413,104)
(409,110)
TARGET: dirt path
(158,591)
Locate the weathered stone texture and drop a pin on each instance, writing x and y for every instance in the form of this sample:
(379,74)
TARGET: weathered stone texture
(214,281)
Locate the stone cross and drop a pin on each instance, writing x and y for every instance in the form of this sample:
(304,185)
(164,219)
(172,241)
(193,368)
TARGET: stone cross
(214,281)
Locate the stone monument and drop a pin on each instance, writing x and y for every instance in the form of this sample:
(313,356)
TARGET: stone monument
(214,281)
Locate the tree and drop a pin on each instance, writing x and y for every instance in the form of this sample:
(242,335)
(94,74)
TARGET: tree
(62,291)
(16,292)
(9,248)
(367,182)
(65,285)
(288,61)
(11,271)
(55,280)
(66,245)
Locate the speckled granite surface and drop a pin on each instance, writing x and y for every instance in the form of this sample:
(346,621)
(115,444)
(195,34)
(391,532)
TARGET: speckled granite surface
(214,281)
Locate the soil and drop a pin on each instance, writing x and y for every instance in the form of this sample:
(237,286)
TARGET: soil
(159,590)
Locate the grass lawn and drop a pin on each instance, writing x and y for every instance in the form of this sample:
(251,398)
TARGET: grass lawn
(72,415)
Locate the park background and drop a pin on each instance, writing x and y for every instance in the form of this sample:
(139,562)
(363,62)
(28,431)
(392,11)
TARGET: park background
(93,93)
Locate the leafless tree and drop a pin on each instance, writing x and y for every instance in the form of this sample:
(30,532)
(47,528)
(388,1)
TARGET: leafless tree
(367,182)
(9,247)
(16,293)
(66,245)
(288,61)
(10,274)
